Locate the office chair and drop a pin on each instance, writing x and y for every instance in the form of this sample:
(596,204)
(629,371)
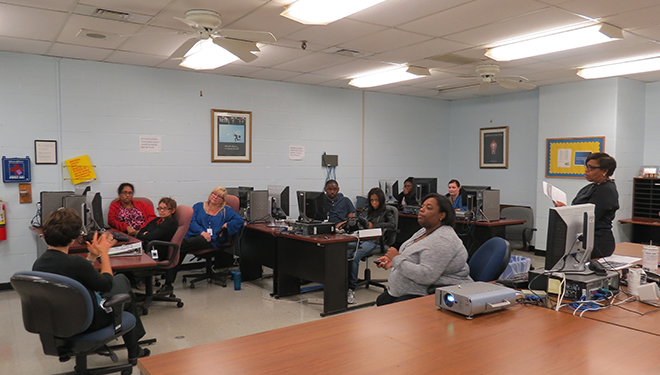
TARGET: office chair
(386,240)
(519,236)
(60,309)
(211,253)
(183,214)
(490,260)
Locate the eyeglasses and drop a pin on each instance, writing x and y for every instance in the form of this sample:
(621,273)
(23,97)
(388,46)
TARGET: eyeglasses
(590,167)
(162,208)
(126,193)
(216,195)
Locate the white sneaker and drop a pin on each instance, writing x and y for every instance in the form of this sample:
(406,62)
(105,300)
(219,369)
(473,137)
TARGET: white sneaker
(351,296)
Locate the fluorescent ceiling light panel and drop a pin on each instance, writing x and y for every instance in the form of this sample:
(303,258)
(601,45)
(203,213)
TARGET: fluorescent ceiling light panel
(381,77)
(613,69)
(323,12)
(206,55)
(561,41)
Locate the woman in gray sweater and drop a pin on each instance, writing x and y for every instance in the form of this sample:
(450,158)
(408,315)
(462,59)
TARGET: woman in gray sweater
(432,256)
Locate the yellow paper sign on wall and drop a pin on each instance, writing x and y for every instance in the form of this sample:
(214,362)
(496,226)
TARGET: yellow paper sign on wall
(80,169)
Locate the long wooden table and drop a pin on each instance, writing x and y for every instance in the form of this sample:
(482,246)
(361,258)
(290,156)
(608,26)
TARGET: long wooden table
(413,337)
(320,258)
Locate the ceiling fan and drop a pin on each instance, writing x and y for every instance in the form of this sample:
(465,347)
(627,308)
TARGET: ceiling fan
(205,23)
(487,76)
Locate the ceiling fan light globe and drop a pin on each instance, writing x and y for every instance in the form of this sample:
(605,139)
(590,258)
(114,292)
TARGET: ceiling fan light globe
(206,55)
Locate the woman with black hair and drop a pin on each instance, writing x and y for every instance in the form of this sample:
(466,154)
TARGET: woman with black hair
(432,256)
(377,215)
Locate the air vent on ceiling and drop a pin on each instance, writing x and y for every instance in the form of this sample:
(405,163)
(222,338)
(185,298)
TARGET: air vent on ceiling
(112,14)
(347,52)
(115,15)
(453,59)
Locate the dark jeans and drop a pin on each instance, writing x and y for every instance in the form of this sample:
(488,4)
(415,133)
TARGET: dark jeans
(386,298)
(120,284)
(187,245)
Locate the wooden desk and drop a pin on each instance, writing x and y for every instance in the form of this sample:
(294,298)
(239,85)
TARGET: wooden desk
(629,249)
(320,258)
(472,233)
(413,337)
(644,230)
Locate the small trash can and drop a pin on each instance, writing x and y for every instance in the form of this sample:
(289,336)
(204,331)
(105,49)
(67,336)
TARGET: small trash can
(518,265)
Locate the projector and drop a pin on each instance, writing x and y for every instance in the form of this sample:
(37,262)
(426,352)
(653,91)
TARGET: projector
(474,298)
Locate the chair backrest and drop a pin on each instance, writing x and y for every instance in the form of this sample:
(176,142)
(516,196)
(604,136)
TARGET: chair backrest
(490,260)
(53,304)
(183,215)
(233,202)
(390,235)
(514,233)
(141,199)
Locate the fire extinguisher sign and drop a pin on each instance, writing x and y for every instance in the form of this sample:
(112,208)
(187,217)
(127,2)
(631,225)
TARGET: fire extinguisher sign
(16,169)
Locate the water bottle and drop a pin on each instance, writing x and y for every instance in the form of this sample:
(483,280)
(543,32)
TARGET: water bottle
(237,279)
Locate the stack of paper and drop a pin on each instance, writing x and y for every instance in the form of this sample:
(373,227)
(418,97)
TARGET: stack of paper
(128,249)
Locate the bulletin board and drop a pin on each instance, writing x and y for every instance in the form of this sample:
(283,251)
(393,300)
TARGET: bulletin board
(566,157)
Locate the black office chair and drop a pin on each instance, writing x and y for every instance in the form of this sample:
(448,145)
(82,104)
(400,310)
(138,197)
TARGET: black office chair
(60,309)
(386,240)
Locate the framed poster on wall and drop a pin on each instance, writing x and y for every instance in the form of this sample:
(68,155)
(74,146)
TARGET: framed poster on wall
(494,147)
(231,136)
(566,157)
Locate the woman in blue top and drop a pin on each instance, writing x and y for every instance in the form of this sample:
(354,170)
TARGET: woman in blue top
(211,224)
(455,195)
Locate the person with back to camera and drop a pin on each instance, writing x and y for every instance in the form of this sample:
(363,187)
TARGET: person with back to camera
(128,215)
(378,215)
(432,256)
(455,196)
(60,231)
(161,228)
(598,168)
(337,207)
(407,196)
(211,224)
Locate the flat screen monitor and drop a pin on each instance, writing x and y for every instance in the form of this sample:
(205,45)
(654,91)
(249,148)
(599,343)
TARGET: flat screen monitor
(51,201)
(94,210)
(425,186)
(570,238)
(78,203)
(279,201)
(311,205)
(390,188)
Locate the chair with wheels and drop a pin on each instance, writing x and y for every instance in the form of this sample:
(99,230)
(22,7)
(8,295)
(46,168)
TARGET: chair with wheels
(183,214)
(60,310)
(209,255)
(490,260)
(519,236)
(386,240)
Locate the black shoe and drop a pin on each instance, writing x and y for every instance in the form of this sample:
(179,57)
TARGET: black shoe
(144,352)
(165,289)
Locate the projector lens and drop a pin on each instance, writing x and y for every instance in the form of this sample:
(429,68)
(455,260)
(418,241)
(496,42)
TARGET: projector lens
(449,300)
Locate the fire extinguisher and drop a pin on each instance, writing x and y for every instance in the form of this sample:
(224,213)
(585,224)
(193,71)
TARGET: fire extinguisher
(3,221)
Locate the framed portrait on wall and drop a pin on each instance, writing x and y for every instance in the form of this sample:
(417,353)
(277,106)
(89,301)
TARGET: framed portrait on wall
(494,147)
(231,136)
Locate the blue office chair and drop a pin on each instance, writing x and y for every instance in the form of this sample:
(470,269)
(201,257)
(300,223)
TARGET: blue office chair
(60,309)
(490,260)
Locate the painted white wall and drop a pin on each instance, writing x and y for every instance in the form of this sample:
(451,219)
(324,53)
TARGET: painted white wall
(519,112)
(101,109)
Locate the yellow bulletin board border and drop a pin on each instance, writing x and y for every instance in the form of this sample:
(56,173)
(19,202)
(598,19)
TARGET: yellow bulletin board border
(565,157)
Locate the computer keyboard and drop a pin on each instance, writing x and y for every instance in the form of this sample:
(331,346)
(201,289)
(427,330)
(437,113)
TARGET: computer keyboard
(517,282)
(613,265)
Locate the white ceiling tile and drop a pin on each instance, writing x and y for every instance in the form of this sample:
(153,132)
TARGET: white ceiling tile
(397,12)
(649,32)
(272,55)
(230,11)
(236,70)
(37,47)
(308,79)
(151,7)
(272,74)
(541,20)
(114,29)
(433,47)
(29,23)
(132,58)
(63,5)
(335,33)
(154,41)
(384,41)
(352,68)
(79,52)
(470,15)
(267,18)
(600,8)
(634,20)
(313,62)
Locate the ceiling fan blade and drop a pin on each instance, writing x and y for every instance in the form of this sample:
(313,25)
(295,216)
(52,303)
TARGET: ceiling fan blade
(466,76)
(516,84)
(181,51)
(484,86)
(250,46)
(190,23)
(253,36)
(236,48)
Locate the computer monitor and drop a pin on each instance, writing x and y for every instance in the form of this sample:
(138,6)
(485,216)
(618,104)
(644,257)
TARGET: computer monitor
(243,195)
(425,186)
(390,188)
(95,219)
(78,203)
(279,201)
(311,205)
(51,201)
(570,238)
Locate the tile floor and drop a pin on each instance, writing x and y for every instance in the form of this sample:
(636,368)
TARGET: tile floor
(211,313)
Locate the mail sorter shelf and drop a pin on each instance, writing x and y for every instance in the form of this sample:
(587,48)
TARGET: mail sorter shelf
(646,198)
